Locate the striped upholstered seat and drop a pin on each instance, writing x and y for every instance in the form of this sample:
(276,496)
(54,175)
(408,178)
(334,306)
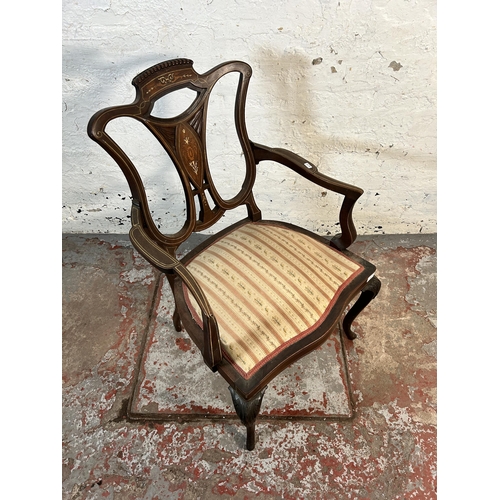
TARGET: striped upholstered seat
(268,286)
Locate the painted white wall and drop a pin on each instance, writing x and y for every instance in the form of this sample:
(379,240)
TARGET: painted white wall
(363,112)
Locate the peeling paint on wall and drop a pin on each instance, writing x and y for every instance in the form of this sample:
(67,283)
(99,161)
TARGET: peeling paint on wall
(322,86)
(395,66)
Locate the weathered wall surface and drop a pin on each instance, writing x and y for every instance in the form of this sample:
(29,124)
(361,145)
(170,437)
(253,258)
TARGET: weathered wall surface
(350,85)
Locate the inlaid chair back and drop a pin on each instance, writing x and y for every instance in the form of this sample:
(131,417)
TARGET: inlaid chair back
(260,294)
(184,139)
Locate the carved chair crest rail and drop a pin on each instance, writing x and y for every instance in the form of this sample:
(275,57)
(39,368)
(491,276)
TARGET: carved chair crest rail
(260,294)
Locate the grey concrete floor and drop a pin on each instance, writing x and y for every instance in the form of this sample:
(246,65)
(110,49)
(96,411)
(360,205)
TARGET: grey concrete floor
(386,450)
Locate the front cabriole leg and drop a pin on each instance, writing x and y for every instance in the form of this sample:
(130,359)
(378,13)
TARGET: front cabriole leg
(368,293)
(247,410)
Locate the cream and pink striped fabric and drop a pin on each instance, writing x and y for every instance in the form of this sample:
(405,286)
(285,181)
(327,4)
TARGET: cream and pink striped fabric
(268,286)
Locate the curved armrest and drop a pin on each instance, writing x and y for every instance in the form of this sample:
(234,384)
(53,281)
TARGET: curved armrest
(309,171)
(160,258)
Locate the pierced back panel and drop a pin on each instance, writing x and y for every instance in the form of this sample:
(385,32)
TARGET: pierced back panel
(183,137)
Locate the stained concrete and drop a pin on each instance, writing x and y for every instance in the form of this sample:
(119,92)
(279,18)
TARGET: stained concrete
(386,450)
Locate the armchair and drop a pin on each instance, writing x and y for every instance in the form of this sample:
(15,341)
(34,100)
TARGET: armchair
(260,294)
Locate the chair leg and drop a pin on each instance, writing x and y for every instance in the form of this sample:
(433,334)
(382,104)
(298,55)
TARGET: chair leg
(368,293)
(176,317)
(177,320)
(247,410)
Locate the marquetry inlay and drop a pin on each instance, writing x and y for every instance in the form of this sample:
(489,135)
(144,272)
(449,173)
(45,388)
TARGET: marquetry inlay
(190,151)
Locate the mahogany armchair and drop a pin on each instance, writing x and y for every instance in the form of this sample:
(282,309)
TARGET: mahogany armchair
(260,294)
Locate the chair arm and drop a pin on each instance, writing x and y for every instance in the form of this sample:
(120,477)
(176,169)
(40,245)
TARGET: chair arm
(309,171)
(306,169)
(160,258)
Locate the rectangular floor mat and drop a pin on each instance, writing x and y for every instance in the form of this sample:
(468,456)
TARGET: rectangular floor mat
(174,382)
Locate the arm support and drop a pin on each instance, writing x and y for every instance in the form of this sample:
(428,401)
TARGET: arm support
(161,259)
(309,171)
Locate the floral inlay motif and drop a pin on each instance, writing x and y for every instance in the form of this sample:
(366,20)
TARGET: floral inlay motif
(189,147)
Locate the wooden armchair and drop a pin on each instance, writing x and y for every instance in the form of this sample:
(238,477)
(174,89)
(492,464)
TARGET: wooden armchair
(260,294)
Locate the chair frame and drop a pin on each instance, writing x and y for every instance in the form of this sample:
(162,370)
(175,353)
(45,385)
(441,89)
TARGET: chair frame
(183,138)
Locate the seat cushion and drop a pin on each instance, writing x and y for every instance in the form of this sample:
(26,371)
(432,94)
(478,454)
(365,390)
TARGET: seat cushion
(268,286)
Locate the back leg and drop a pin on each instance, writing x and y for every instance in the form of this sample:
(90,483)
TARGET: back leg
(177,320)
(176,317)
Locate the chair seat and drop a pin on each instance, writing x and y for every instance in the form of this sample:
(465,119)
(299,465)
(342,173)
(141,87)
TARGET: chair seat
(268,286)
